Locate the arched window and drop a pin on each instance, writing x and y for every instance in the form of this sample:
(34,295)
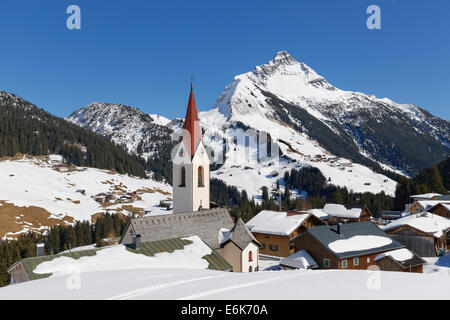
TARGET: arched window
(200,176)
(183,177)
(250,256)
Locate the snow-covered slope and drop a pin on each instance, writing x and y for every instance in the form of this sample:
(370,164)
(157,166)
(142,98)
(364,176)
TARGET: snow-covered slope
(191,284)
(37,192)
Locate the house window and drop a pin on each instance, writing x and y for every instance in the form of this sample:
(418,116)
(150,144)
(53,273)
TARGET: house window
(200,176)
(368,260)
(183,177)
(273,247)
(266,236)
(326,263)
(291,244)
(250,256)
(263,245)
(344,264)
(355,261)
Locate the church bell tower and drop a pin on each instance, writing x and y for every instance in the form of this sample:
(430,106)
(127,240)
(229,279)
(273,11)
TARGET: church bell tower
(191,166)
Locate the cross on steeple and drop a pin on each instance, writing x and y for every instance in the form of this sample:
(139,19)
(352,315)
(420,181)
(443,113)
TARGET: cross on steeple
(192,81)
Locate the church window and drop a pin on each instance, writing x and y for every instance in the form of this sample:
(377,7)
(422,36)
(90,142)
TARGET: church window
(183,177)
(200,176)
(250,256)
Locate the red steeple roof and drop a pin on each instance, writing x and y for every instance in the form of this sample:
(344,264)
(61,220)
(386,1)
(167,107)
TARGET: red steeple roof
(193,135)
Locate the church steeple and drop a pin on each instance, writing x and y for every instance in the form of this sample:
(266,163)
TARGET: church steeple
(191,166)
(191,125)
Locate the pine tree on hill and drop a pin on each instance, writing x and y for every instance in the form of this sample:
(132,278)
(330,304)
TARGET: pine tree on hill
(26,129)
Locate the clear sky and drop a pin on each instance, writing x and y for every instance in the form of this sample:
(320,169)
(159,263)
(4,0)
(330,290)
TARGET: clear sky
(143,52)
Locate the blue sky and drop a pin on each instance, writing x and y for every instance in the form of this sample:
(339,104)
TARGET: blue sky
(142,53)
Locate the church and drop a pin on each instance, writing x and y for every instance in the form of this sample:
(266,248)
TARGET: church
(192,214)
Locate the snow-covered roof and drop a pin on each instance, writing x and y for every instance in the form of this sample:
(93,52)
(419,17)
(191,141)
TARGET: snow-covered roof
(318,213)
(300,260)
(239,235)
(339,210)
(427,204)
(398,255)
(354,239)
(359,243)
(276,222)
(426,195)
(425,222)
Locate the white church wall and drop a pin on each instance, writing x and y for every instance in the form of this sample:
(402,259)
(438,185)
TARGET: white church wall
(245,257)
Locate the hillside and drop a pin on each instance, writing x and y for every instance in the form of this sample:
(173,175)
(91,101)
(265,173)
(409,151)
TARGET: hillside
(38,192)
(26,129)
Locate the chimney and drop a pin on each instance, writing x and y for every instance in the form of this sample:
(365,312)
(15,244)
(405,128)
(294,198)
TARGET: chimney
(136,241)
(338,228)
(39,249)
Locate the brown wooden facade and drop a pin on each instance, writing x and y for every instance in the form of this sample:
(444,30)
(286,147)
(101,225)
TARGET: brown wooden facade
(282,245)
(440,210)
(389,264)
(424,244)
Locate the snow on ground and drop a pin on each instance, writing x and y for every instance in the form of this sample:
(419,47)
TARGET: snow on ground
(38,182)
(358,243)
(207,284)
(119,258)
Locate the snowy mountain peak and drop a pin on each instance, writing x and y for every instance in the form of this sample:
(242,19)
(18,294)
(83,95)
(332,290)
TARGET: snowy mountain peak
(126,126)
(351,124)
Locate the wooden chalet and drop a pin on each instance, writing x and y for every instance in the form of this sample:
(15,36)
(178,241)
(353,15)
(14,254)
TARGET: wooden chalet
(275,230)
(425,233)
(402,260)
(441,209)
(337,213)
(346,246)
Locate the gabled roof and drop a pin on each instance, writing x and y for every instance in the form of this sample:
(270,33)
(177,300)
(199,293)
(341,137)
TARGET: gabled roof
(193,134)
(216,262)
(445,197)
(240,236)
(427,204)
(403,257)
(276,222)
(354,239)
(300,260)
(425,195)
(30,264)
(205,223)
(340,211)
(426,222)
(336,210)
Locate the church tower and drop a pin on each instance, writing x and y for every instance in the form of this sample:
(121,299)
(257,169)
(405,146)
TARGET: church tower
(191,166)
